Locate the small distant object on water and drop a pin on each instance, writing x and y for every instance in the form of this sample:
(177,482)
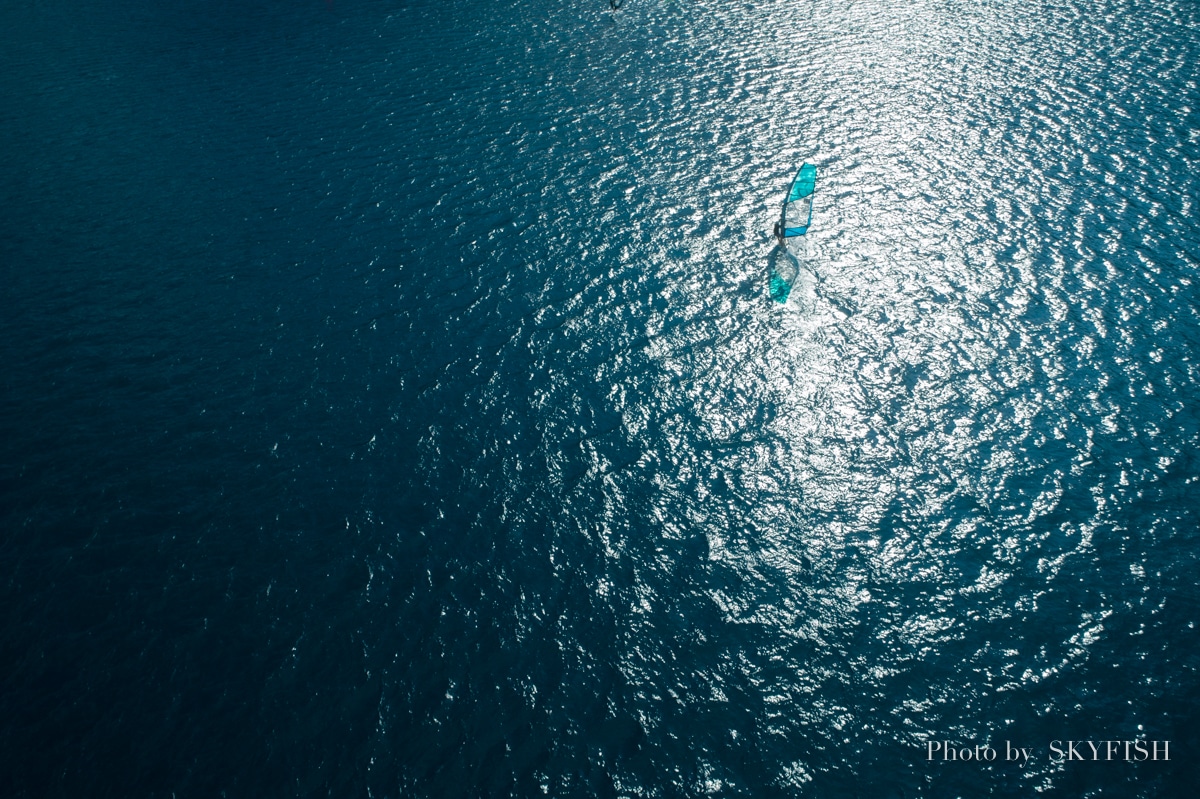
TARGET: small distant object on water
(797,208)
(615,4)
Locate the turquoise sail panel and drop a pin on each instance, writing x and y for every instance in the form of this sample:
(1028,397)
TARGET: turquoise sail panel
(797,208)
(804,184)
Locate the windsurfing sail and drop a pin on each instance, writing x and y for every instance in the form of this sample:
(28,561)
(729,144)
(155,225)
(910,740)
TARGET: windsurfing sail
(797,208)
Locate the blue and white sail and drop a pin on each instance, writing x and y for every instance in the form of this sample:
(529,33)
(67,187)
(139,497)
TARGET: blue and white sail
(797,208)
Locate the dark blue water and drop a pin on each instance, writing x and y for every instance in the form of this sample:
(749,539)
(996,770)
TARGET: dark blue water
(393,403)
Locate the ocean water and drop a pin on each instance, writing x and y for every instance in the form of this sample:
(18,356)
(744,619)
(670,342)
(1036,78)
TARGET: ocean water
(393,403)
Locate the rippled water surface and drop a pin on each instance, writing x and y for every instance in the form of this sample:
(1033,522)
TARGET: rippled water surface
(393,403)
